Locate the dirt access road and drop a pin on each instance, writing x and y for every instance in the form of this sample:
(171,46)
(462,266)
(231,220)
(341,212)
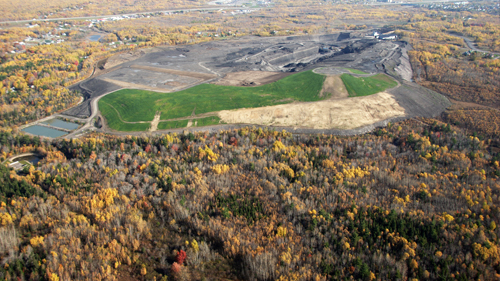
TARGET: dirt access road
(471,45)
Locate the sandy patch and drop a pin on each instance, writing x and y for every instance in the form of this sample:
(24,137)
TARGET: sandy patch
(251,78)
(334,87)
(154,123)
(347,113)
(198,75)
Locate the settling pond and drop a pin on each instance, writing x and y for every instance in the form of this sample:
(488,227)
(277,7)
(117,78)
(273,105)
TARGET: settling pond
(95,37)
(43,131)
(61,124)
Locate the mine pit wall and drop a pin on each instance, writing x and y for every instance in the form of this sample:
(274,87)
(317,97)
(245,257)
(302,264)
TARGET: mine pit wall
(90,89)
(329,37)
(398,65)
(404,68)
(83,110)
(314,38)
(295,56)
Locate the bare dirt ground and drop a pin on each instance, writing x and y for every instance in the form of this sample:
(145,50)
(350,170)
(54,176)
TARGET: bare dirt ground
(198,75)
(251,78)
(135,86)
(126,57)
(340,114)
(175,84)
(334,87)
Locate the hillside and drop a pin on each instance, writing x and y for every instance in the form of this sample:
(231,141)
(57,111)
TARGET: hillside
(136,105)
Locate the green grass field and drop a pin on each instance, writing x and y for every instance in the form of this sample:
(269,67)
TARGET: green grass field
(172,124)
(364,86)
(114,122)
(140,105)
(207,121)
(355,71)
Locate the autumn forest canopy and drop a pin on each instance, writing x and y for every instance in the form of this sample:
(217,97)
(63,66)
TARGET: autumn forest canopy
(416,199)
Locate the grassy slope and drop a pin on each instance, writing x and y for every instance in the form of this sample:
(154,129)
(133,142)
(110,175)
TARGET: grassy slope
(172,124)
(114,122)
(364,86)
(139,105)
(207,121)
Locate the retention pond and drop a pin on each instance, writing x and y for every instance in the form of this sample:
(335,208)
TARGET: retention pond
(61,124)
(43,131)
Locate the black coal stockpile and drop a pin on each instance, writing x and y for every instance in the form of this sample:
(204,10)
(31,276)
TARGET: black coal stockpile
(241,53)
(359,46)
(90,89)
(343,36)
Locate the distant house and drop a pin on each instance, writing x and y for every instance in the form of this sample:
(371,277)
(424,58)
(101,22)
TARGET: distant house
(388,37)
(20,46)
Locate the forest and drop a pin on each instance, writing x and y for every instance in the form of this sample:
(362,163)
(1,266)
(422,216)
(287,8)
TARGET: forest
(469,78)
(418,199)
(415,200)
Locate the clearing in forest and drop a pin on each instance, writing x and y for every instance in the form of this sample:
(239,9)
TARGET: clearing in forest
(208,104)
(140,106)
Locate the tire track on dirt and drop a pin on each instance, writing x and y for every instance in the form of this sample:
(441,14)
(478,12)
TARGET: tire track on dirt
(154,123)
